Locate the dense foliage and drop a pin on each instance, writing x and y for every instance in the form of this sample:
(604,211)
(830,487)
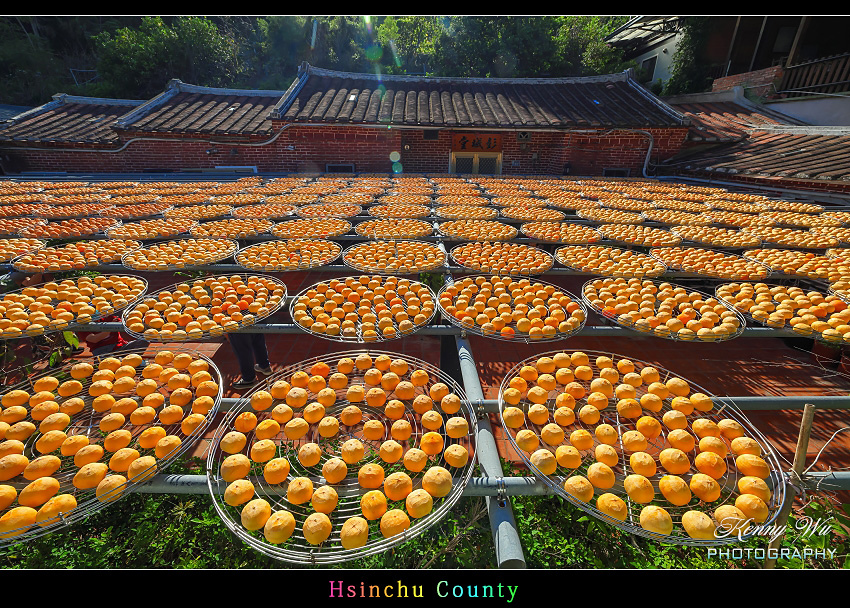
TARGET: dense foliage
(689,73)
(143,59)
(135,57)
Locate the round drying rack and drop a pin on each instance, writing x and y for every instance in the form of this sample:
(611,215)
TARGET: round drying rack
(296,549)
(358,336)
(609,415)
(515,335)
(86,421)
(654,331)
(58,325)
(230,327)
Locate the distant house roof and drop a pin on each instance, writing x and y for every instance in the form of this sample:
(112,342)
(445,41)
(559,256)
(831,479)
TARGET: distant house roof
(643,30)
(726,116)
(186,108)
(331,97)
(7,111)
(69,119)
(808,153)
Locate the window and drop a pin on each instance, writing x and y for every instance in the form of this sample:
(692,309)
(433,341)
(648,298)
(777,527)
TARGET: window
(647,69)
(611,172)
(431,135)
(340,168)
(476,162)
(523,136)
(487,165)
(464,164)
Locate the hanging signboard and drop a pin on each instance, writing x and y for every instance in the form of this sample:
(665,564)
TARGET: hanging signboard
(475,142)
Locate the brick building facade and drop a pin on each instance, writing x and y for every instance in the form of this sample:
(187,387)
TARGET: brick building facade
(579,126)
(308,149)
(758,83)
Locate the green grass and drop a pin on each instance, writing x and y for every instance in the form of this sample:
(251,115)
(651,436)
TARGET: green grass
(173,531)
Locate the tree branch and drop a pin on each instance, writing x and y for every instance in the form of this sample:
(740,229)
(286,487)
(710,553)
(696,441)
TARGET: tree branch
(479,512)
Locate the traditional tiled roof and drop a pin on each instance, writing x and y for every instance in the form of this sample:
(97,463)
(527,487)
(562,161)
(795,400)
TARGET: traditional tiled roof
(69,119)
(185,108)
(808,153)
(615,100)
(725,116)
(7,111)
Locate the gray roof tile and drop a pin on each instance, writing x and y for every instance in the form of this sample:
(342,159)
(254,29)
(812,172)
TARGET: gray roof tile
(615,100)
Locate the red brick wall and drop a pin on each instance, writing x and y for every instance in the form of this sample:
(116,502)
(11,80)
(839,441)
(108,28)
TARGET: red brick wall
(297,149)
(518,158)
(590,154)
(758,82)
(308,149)
(425,156)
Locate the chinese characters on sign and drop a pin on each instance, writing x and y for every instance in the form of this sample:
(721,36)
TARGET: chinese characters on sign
(474,142)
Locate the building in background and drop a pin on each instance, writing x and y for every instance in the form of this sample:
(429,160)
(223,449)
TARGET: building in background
(330,121)
(336,121)
(798,64)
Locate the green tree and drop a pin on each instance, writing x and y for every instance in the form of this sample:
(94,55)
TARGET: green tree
(410,41)
(689,73)
(37,55)
(138,62)
(273,51)
(583,41)
(526,46)
(71,37)
(340,43)
(467,47)
(29,72)
(136,56)
(343,43)
(249,36)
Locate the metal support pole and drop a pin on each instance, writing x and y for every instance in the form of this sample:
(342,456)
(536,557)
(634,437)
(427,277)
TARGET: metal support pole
(747,404)
(796,481)
(732,46)
(758,44)
(502,523)
(798,37)
(224,268)
(452,330)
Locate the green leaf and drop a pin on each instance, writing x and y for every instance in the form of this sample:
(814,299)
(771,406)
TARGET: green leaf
(71,338)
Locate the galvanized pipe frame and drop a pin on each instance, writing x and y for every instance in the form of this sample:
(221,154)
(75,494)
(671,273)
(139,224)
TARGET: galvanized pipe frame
(227,268)
(182,484)
(503,525)
(452,330)
(492,485)
(495,488)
